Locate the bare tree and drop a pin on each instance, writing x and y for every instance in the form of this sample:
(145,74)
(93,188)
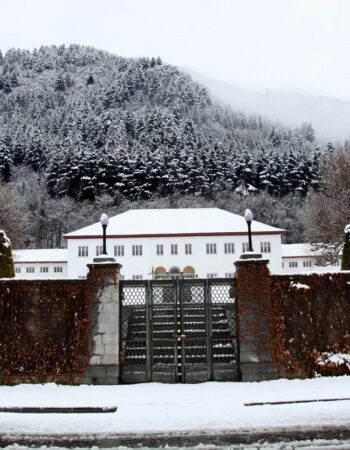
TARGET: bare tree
(13,213)
(327,212)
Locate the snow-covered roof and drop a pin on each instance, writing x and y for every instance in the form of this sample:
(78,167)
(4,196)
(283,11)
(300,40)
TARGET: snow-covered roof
(165,222)
(299,251)
(39,255)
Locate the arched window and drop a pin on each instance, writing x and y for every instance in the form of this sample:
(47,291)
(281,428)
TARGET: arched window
(160,272)
(175,272)
(189,272)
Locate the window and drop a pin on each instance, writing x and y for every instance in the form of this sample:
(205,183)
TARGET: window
(44,269)
(265,247)
(293,264)
(212,275)
(99,250)
(137,277)
(245,247)
(188,249)
(173,249)
(17,270)
(229,275)
(307,263)
(83,250)
(30,269)
(336,263)
(58,269)
(211,249)
(229,247)
(160,249)
(188,272)
(119,250)
(137,250)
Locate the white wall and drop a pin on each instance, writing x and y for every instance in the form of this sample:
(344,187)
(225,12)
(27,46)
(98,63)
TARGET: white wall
(203,263)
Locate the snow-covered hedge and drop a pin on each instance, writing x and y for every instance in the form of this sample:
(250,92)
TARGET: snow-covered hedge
(330,363)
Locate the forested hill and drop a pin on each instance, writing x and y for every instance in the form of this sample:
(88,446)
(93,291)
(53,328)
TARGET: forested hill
(91,123)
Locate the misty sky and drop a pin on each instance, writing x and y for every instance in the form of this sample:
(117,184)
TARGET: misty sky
(296,45)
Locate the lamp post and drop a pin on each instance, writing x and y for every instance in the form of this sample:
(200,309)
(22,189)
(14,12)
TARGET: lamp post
(104,223)
(248,215)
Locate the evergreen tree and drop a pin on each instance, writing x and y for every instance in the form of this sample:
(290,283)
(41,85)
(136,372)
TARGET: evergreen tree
(307,132)
(6,262)
(7,88)
(6,162)
(60,84)
(14,80)
(345,262)
(90,80)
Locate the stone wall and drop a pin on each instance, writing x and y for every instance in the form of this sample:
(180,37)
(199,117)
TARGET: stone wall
(311,316)
(68,330)
(44,332)
(288,322)
(104,358)
(61,330)
(253,296)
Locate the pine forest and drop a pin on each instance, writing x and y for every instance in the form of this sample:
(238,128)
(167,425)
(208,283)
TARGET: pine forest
(83,130)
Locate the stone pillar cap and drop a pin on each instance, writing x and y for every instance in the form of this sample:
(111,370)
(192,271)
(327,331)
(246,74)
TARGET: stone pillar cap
(104,259)
(250,255)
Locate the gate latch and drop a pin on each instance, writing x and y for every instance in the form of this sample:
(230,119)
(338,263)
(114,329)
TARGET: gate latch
(180,336)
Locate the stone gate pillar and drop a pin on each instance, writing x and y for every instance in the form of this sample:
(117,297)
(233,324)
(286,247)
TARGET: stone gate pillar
(103,284)
(253,309)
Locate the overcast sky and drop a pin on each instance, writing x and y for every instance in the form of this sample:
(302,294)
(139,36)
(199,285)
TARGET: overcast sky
(295,45)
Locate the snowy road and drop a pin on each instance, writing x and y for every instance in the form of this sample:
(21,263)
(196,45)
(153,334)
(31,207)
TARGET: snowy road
(207,408)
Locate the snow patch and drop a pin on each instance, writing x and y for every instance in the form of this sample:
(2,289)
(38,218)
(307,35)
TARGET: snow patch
(299,285)
(347,228)
(334,358)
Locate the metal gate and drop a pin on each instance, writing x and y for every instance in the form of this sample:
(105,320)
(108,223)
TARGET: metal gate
(180,330)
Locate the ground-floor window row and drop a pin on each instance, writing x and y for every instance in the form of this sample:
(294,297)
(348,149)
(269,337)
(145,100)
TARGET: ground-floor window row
(294,264)
(211,248)
(40,269)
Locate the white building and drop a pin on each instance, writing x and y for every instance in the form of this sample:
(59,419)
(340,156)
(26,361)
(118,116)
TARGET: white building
(159,243)
(41,263)
(155,243)
(304,257)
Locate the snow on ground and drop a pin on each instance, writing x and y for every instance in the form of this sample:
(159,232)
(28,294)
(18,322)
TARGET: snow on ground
(154,407)
(316,444)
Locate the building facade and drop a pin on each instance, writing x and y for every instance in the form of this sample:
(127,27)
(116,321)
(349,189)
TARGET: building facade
(166,243)
(297,258)
(40,263)
(163,243)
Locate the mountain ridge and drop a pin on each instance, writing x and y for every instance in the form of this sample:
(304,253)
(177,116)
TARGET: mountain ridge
(91,122)
(329,116)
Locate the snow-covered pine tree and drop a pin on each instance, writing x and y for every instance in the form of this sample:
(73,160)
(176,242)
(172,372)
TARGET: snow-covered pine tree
(6,261)
(6,162)
(345,262)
